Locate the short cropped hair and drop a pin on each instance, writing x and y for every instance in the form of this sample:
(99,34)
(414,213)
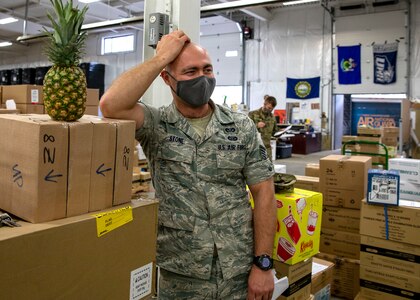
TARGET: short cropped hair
(271,100)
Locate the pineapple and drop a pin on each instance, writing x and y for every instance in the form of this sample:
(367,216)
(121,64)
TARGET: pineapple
(65,83)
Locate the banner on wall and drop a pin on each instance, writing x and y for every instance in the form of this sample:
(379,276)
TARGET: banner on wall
(375,115)
(349,71)
(303,88)
(385,63)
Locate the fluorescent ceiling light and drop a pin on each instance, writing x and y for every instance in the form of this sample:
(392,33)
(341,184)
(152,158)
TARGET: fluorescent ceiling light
(88,1)
(299,2)
(379,96)
(8,20)
(5,44)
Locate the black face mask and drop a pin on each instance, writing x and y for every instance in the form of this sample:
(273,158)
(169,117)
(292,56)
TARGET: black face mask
(196,92)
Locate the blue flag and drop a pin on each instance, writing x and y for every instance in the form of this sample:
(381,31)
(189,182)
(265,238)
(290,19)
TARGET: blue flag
(385,63)
(349,71)
(304,88)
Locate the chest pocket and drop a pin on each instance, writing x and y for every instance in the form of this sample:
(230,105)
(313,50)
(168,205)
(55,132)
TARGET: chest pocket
(230,159)
(175,159)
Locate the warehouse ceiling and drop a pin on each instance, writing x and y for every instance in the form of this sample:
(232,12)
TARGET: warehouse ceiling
(218,16)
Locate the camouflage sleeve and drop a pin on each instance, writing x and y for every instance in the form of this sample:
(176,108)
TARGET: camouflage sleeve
(275,128)
(258,166)
(143,134)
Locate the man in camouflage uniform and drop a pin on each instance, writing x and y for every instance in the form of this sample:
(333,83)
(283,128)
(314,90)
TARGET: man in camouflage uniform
(265,121)
(201,155)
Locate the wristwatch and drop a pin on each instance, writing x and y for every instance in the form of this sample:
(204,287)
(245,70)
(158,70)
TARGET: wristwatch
(264,262)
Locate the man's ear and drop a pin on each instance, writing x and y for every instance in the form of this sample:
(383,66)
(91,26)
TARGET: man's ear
(165,76)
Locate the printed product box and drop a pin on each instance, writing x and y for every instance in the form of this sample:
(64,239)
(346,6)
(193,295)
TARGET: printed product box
(409,191)
(340,218)
(298,226)
(33,167)
(409,168)
(401,225)
(343,179)
(383,187)
(340,243)
(322,276)
(390,283)
(299,276)
(307,183)
(373,294)
(67,260)
(312,170)
(30,108)
(103,163)
(392,257)
(23,94)
(123,169)
(346,274)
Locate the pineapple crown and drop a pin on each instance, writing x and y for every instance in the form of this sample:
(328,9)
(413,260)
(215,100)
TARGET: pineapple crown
(66,41)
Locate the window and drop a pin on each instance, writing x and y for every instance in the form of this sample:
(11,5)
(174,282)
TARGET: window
(117,44)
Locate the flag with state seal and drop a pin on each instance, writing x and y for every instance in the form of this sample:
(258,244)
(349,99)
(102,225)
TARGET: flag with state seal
(349,71)
(303,88)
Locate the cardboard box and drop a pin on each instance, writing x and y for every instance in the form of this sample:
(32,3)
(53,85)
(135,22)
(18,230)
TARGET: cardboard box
(346,271)
(92,97)
(409,168)
(103,163)
(307,183)
(322,275)
(390,131)
(299,276)
(31,108)
(312,170)
(340,243)
(340,218)
(92,110)
(23,94)
(343,179)
(9,111)
(368,131)
(67,260)
(402,224)
(79,160)
(123,168)
(391,283)
(409,191)
(33,167)
(371,294)
(299,217)
(392,257)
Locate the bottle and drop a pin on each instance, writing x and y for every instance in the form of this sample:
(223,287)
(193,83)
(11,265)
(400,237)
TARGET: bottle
(224,102)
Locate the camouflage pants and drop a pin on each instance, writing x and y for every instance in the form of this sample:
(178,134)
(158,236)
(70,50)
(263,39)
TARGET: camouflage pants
(174,286)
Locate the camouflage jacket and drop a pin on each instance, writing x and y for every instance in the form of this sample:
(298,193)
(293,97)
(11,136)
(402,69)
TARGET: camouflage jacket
(270,124)
(201,186)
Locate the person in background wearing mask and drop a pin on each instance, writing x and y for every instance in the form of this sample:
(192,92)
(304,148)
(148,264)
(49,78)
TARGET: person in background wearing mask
(265,121)
(211,245)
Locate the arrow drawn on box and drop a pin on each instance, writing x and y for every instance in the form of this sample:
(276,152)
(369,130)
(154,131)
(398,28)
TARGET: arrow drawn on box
(101,172)
(50,176)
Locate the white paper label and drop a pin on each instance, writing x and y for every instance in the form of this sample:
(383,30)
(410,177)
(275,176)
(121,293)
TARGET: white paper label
(34,96)
(141,282)
(384,190)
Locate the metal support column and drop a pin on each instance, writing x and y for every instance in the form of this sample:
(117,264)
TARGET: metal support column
(183,15)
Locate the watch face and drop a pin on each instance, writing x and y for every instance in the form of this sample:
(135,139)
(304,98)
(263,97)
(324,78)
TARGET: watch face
(265,262)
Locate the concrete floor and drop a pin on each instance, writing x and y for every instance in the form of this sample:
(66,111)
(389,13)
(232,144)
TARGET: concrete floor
(296,163)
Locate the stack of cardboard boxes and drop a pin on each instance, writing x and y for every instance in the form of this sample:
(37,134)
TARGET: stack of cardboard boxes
(29,99)
(343,183)
(390,244)
(54,175)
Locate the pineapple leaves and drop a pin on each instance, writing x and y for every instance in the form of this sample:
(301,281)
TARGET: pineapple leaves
(67,40)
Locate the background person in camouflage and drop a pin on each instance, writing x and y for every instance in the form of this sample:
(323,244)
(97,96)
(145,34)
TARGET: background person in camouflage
(265,121)
(202,156)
